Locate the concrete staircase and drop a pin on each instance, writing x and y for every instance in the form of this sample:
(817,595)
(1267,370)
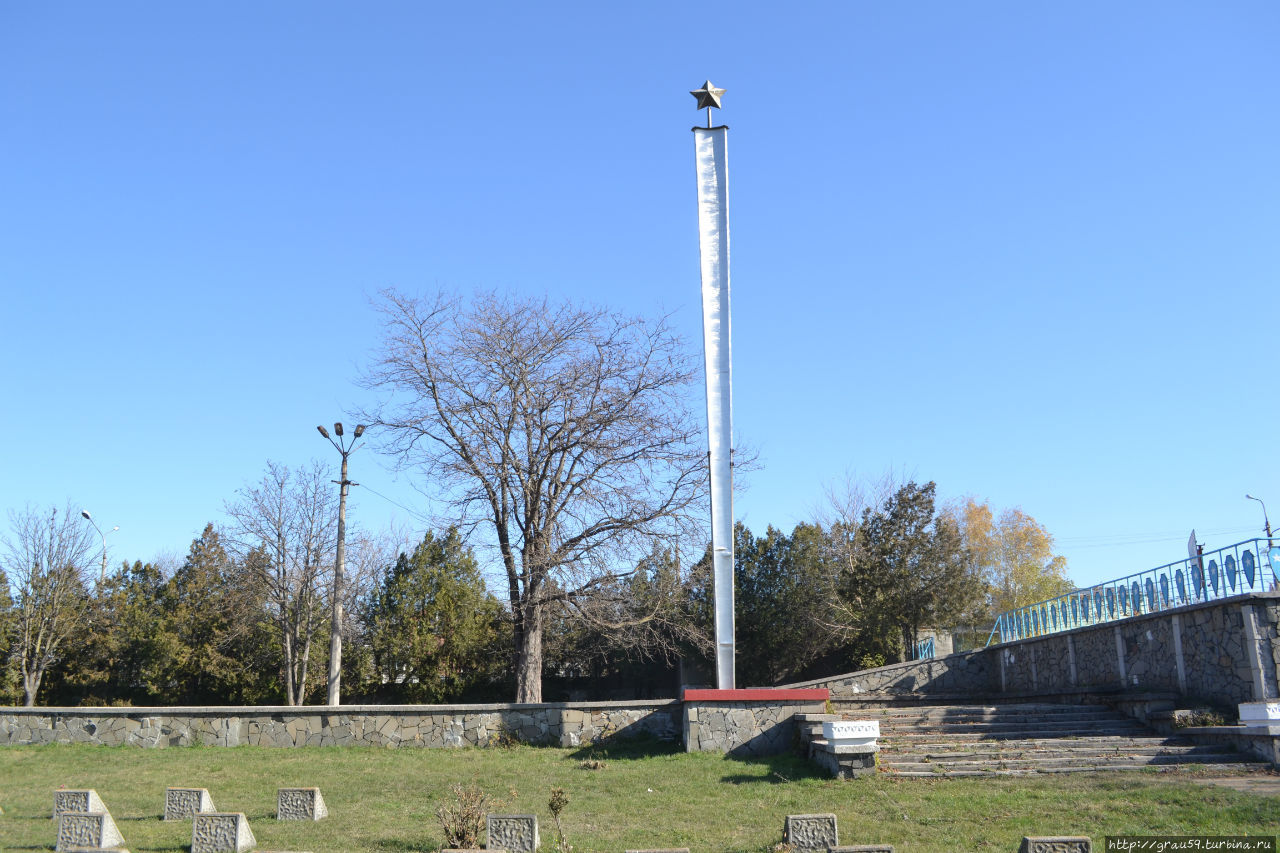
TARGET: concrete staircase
(1023,739)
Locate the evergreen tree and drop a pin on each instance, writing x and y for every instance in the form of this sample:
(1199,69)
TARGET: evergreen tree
(223,650)
(433,627)
(10,680)
(910,569)
(126,643)
(785,619)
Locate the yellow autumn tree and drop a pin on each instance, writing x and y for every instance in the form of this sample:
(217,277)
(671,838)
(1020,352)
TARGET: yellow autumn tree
(1014,554)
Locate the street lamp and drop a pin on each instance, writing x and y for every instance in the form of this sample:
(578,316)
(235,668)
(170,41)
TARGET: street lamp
(84,513)
(340,564)
(1266,521)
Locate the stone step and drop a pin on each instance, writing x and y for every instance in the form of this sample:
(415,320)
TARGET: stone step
(991,711)
(1006,724)
(1059,762)
(935,719)
(1107,744)
(1015,752)
(1025,739)
(1052,728)
(998,720)
(1012,708)
(1065,730)
(959,733)
(1241,768)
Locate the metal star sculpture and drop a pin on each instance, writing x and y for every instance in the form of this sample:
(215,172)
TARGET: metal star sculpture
(708,96)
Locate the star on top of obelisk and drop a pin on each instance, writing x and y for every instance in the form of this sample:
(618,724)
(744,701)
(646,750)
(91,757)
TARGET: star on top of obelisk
(708,96)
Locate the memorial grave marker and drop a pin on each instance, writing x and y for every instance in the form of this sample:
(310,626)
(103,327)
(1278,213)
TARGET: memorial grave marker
(1056,844)
(811,831)
(516,833)
(300,804)
(87,829)
(221,832)
(81,800)
(182,803)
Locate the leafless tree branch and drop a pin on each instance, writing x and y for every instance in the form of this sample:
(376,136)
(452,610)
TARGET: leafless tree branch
(567,429)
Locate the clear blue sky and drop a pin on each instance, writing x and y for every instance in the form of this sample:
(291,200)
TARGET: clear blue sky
(1026,250)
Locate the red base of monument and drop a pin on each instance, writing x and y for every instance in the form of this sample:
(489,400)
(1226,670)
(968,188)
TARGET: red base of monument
(758,694)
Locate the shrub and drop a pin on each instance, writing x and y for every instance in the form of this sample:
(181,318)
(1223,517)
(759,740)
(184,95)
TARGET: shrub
(462,820)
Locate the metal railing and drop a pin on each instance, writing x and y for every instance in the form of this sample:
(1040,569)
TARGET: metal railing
(925,649)
(1249,566)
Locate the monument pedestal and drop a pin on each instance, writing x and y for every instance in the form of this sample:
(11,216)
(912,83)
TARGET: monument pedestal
(747,722)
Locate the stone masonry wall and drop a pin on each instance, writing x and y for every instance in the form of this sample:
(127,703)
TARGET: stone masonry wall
(1225,652)
(964,673)
(366,725)
(1149,652)
(743,728)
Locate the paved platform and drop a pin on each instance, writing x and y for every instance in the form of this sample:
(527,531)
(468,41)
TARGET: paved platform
(1253,783)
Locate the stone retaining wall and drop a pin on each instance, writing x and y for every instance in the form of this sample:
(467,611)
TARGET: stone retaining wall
(1224,652)
(958,674)
(355,725)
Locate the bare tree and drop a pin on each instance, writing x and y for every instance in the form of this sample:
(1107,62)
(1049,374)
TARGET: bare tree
(45,558)
(284,530)
(566,430)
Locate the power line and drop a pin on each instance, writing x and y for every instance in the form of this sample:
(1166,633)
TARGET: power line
(1121,539)
(414,513)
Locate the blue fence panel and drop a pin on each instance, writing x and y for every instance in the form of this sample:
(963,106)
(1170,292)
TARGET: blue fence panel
(1245,567)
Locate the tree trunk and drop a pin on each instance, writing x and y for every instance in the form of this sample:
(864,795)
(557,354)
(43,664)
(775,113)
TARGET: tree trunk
(31,686)
(529,661)
(288,668)
(302,672)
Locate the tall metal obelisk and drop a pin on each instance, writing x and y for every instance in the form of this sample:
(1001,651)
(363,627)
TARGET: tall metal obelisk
(711,158)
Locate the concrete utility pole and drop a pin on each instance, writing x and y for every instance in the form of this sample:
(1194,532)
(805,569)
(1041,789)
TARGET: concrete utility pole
(340,563)
(84,513)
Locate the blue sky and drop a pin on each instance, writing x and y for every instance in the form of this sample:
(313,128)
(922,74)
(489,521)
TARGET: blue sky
(1025,250)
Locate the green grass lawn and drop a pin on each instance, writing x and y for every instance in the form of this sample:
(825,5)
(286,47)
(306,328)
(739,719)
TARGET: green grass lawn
(646,795)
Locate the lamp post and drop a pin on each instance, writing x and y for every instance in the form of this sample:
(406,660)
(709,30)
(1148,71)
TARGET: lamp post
(1266,521)
(340,563)
(84,513)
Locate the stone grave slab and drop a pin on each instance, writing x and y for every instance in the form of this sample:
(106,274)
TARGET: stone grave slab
(221,832)
(300,804)
(182,803)
(83,800)
(862,848)
(87,829)
(1056,844)
(811,831)
(95,850)
(515,833)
